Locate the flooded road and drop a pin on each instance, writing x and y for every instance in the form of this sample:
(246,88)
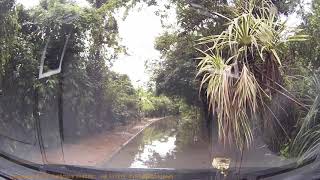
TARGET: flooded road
(169,143)
(181,144)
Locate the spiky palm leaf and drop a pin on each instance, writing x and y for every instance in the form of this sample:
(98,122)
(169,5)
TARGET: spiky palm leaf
(307,142)
(230,96)
(233,92)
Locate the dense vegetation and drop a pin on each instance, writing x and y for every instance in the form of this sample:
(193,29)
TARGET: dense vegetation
(86,97)
(243,74)
(242,46)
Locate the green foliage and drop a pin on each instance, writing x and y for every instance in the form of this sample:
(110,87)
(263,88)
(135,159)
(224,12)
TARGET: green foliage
(308,52)
(234,86)
(303,81)
(96,98)
(285,151)
(123,98)
(174,77)
(156,106)
(17,68)
(306,143)
(202,18)
(92,97)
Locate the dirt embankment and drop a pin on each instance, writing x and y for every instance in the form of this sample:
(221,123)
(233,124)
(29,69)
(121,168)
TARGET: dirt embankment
(97,148)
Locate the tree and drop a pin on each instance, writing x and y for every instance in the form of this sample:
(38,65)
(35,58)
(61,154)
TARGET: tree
(195,19)
(123,98)
(75,95)
(241,70)
(304,56)
(175,75)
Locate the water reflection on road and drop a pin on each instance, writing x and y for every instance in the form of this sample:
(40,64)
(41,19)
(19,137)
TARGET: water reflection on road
(181,144)
(169,143)
(159,148)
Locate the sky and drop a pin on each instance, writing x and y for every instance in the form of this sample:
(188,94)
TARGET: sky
(138,32)
(293,20)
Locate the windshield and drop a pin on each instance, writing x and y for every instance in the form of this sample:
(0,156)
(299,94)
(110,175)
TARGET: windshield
(160,84)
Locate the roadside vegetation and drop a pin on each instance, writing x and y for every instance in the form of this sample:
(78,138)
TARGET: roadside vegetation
(232,66)
(86,97)
(257,77)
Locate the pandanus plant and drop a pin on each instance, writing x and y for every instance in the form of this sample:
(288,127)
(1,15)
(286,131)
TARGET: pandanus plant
(240,68)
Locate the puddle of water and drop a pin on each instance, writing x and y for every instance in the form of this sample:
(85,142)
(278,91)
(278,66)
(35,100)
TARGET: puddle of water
(170,143)
(178,144)
(163,148)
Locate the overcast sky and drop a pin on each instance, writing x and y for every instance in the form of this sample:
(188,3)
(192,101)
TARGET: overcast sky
(138,32)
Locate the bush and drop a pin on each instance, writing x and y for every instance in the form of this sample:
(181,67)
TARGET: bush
(123,98)
(155,106)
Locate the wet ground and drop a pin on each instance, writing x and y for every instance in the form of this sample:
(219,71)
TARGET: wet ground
(169,143)
(92,150)
(180,144)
